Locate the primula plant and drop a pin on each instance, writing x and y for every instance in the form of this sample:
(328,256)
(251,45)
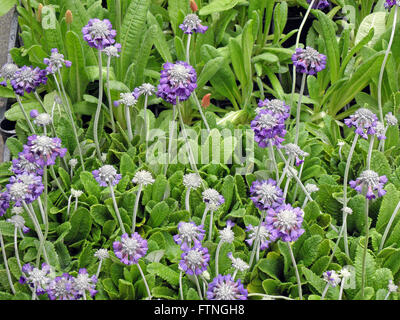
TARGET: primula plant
(202,150)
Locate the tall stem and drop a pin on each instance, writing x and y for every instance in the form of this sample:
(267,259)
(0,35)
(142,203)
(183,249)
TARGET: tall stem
(135,208)
(40,101)
(272,156)
(121,224)
(3,250)
(180,286)
(198,287)
(210,228)
(364,258)
(187,199)
(16,248)
(325,291)
(384,64)
(144,280)
(369,155)
(345,214)
(128,122)
(146,131)
(253,252)
(217,256)
(98,110)
(199,107)
(188,48)
(296,271)
(203,219)
(110,107)
(170,137)
(385,233)
(303,83)
(25,114)
(99,268)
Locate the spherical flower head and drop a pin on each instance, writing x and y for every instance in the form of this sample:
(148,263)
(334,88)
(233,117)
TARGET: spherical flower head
(189,232)
(212,199)
(36,278)
(311,188)
(7,72)
(238,263)
(33,113)
(308,61)
(106,175)
(83,282)
(227,234)
(276,106)
(390,3)
(319,4)
(264,235)
(18,222)
(146,89)
(332,277)
(269,128)
(345,273)
(112,51)
(143,177)
(27,79)
(128,99)
(265,194)
(73,162)
(17,210)
(25,165)
(102,254)
(25,187)
(370,182)
(43,120)
(99,34)
(43,150)
(285,222)
(76,193)
(364,121)
(294,151)
(192,23)
(177,82)
(392,287)
(225,288)
(4,203)
(391,120)
(56,61)
(380,131)
(347,210)
(62,288)
(194,261)
(192,180)
(130,249)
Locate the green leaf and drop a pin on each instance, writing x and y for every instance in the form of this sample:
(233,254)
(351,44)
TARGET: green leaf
(376,21)
(209,70)
(126,290)
(389,203)
(158,214)
(81,223)
(6,5)
(272,265)
(90,184)
(164,272)
(218,6)
(370,267)
(15,146)
(159,188)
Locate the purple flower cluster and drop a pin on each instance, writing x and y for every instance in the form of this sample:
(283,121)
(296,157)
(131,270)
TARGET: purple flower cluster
(264,235)
(365,122)
(191,24)
(285,222)
(188,232)
(370,182)
(265,194)
(105,175)
(130,249)
(27,79)
(43,150)
(99,34)
(276,106)
(4,203)
(226,288)
(56,61)
(269,128)
(194,261)
(26,187)
(7,72)
(308,61)
(320,4)
(177,82)
(36,278)
(390,3)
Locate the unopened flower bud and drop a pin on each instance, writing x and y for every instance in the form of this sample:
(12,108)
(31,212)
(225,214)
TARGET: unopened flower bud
(193,6)
(205,102)
(68,17)
(39,12)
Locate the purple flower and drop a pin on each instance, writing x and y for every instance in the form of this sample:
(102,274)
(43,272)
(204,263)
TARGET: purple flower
(332,278)
(265,194)
(27,79)
(99,34)
(276,106)
(189,232)
(128,99)
(390,3)
(4,203)
(177,82)
(264,235)
(146,89)
(213,199)
(36,278)
(364,121)
(130,249)
(19,222)
(26,187)
(380,131)
(370,182)
(268,128)
(293,151)
(112,51)
(34,113)
(226,288)
(83,282)
(56,61)
(285,222)
(7,72)
(191,24)
(194,261)
(320,4)
(62,288)
(308,61)
(43,150)
(25,165)
(106,175)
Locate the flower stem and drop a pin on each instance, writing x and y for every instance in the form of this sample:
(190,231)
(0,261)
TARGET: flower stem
(296,271)
(187,199)
(98,110)
(188,48)
(217,256)
(325,291)
(128,123)
(3,250)
(345,214)
(110,107)
(135,208)
(170,138)
(369,155)
(253,252)
(99,268)
(300,173)
(303,83)
(380,80)
(272,156)
(25,114)
(145,282)
(203,219)
(385,233)
(198,287)
(180,286)
(201,111)
(121,224)
(16,248)
(210,226)
(364,257)
(146,131)
(341,288)
(69,205)
(268,296)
